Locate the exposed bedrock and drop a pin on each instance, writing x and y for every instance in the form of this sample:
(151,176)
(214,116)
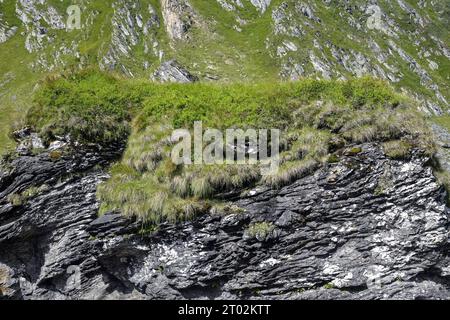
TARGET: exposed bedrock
(365,228)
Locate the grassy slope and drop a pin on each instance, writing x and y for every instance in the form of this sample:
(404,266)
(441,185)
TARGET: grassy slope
(15,94)
(15,62)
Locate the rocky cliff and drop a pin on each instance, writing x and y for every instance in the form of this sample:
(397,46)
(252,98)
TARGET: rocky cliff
(367,227)
(349,222)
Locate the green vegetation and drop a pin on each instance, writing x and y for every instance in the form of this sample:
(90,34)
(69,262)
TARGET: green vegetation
(20,69)
(222,209)
(226,46)
(89,106)
(385,182)
(443,178)
(19,199)
(316,119)
(329,286)
(443,121)
(260,230)
(397,149)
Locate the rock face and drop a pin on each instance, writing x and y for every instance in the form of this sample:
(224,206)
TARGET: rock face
(130,29)
(6,32)
(365,228)
(261,5)
(178,18)
(172,71)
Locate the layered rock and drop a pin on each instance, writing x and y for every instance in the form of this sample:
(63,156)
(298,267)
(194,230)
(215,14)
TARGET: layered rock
(367,227)
(172,71)
(178,18)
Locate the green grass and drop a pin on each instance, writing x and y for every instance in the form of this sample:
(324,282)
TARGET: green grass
(316,118)
(89,106)
(443,121)
(397,149)
(260,230)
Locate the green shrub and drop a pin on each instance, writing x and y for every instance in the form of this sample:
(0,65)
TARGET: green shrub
(90,106)
(19,199)
(316,117)
(55,155)
(223,209)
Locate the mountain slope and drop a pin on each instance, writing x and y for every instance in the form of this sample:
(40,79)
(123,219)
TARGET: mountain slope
(404,42)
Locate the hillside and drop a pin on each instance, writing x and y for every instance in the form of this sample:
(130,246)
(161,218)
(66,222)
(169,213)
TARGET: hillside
(224,149)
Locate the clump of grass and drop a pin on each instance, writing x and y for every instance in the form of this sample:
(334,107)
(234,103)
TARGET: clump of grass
(55,155)
(329,286)
(291,171)
(333,158)
(317,117)
(19,199)
(306,142)
(181,186)
(202,188)
(15,199)
(397,149)
(353,151)
(214,179)
(260,230)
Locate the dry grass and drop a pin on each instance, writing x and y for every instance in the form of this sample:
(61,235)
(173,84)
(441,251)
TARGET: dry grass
(397,149)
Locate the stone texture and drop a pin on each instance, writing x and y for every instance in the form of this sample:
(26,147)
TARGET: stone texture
(365,228)
(178,18)
(172,71)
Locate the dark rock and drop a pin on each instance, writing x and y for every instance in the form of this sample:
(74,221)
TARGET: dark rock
(330,240)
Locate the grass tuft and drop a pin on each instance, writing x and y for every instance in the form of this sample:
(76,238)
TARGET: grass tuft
(397,149)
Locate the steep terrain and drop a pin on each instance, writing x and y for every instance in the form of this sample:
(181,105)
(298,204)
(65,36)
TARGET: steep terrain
(354,212)
(331,235)
(92,207)
(404,42)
